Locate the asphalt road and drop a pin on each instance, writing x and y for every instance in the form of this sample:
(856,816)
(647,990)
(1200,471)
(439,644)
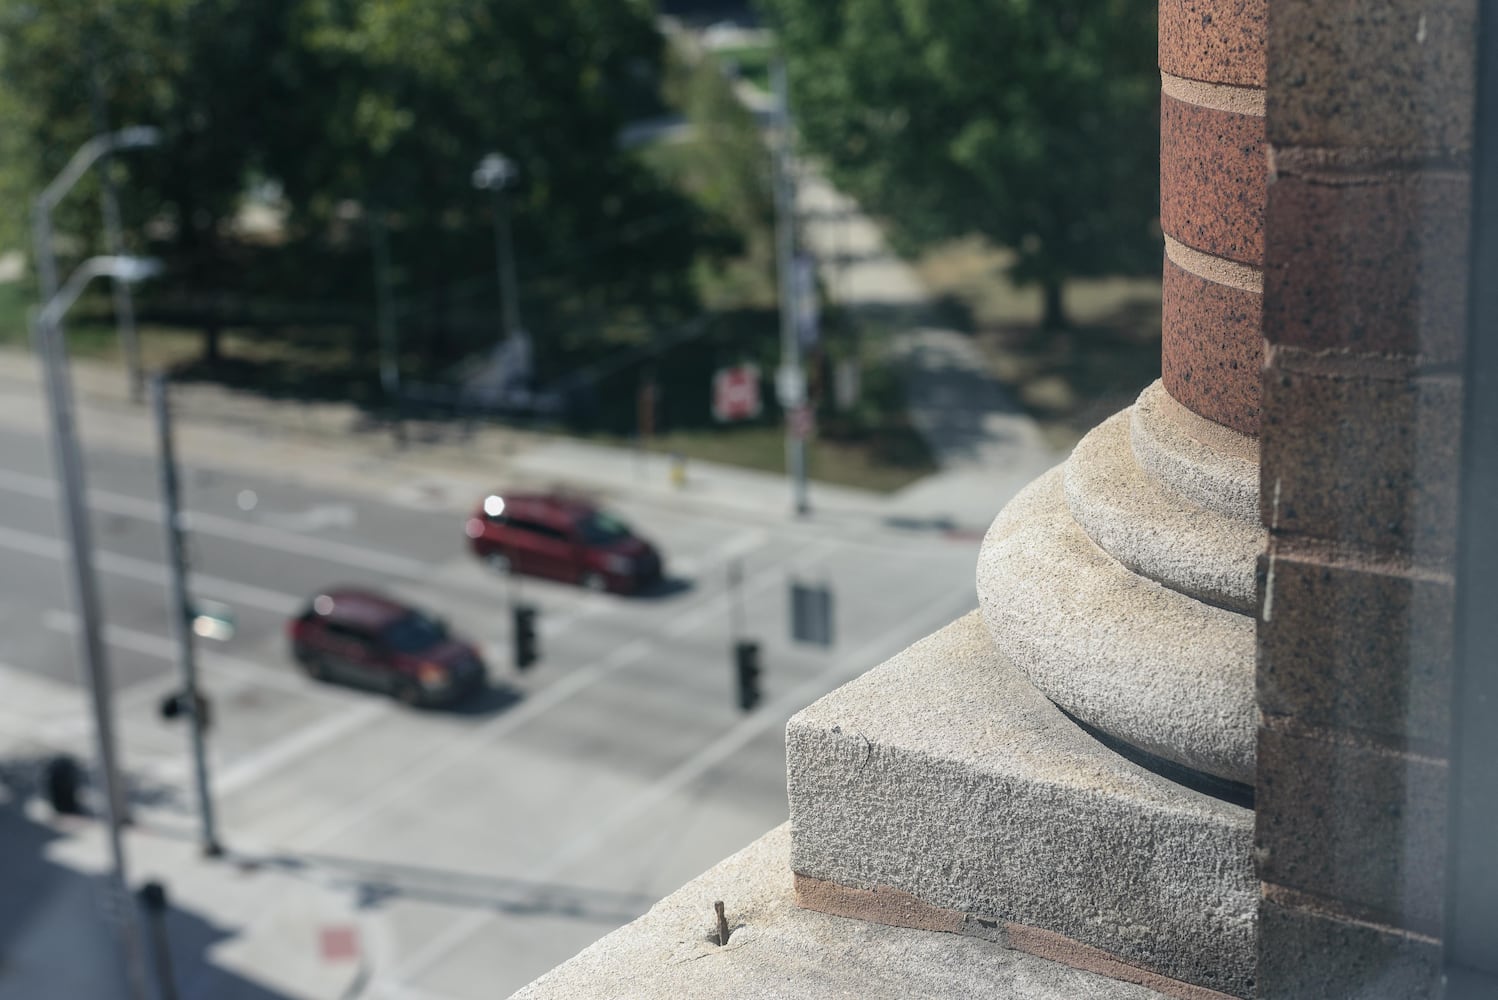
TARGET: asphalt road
(486,844)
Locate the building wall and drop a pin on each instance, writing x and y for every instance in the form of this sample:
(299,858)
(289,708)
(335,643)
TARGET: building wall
(1368,131)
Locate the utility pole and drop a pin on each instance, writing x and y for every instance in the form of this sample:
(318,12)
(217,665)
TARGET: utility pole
(180,612)
(494,173)
(68,462)
(790,381)
(68,459)
(384,313)
(114,243)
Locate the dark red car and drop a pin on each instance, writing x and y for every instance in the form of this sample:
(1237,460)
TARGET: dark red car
(564,539)
(368,640)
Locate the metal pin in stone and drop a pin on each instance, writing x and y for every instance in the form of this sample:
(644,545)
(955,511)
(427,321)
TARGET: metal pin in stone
(722,923)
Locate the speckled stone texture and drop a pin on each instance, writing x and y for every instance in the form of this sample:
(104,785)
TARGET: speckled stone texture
(1152,667)
(1210,465)
(944,774)
(1212,177)
(1381,270)
(1219,41)
(1359,648)
(777,949)
(1155,532)
(1362,457)
(1355,823)
(1372,73)
(1211,350)
(1308,954)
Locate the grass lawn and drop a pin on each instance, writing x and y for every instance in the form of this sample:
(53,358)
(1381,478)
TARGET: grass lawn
(1068,381)
(841,463)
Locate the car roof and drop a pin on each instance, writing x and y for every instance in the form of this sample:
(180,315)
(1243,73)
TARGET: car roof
(363,608)
(522,504)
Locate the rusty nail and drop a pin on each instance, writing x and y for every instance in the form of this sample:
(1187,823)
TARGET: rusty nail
(722,923)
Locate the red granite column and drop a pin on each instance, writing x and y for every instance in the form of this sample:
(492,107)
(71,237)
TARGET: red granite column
(1212,185)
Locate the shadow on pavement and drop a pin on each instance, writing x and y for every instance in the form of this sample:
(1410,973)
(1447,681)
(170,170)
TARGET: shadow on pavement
(376,882)
(666,589)
(55,938)
(495,698)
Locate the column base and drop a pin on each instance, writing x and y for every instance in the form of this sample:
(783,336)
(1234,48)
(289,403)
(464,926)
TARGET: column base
(943,783)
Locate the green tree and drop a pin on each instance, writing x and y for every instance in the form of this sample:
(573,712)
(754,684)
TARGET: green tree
(1031,122)
(354,105)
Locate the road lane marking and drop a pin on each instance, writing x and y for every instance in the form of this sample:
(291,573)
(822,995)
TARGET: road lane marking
(532,706)
(150,644)
(47,547)
(736,548)
(262,535)
(336,824)
(299,744)
(693,768)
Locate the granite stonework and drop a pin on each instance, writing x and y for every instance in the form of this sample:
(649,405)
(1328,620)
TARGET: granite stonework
(1212,351)
(1156,532)
(1220,41)
(1210,465)
(1361,454)
(1145,664)
(1212,178)
(1372,75)
(1341,285)
(1310,954)
(1357,647)
(945,776)
(1361,824)
(777,949)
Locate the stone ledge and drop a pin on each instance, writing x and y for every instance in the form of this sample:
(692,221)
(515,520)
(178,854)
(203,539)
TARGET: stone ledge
(777,949)
(1155,532)
(945,776)
(1151,667)
(900,909)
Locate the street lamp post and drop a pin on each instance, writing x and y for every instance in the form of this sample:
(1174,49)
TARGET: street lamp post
(494,173)
(790,379)
(47,333)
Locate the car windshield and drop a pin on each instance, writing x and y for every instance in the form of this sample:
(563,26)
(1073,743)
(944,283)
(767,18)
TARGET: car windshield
(414,633)
(601,529)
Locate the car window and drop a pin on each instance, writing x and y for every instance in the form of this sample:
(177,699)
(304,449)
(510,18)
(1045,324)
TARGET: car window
(536,528)
(413,633)
(602,529)
(339,630)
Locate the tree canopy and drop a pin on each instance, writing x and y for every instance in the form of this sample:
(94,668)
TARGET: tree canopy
(353,106)
(1031,122)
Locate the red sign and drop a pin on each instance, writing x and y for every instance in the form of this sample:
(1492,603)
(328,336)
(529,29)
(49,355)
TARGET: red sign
(338,943)
(803,422)
(736,393)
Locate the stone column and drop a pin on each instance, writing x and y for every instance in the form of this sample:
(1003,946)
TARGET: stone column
(1072,771)
(1123,583)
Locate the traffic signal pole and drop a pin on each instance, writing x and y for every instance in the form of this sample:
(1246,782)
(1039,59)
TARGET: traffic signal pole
(68,459)
(791,383)
(180,613)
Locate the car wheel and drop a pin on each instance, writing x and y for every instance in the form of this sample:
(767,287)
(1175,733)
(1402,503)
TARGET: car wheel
(498,562)
(595,582)
(314,665)
(407,693)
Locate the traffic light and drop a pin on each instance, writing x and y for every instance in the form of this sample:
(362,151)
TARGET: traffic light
(526,652)
(176,704)
(746,664)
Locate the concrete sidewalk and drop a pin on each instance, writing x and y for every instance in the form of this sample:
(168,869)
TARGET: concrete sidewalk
(235,930)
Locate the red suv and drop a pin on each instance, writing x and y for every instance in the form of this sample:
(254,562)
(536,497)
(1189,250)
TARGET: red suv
(563,539)
(368,640)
